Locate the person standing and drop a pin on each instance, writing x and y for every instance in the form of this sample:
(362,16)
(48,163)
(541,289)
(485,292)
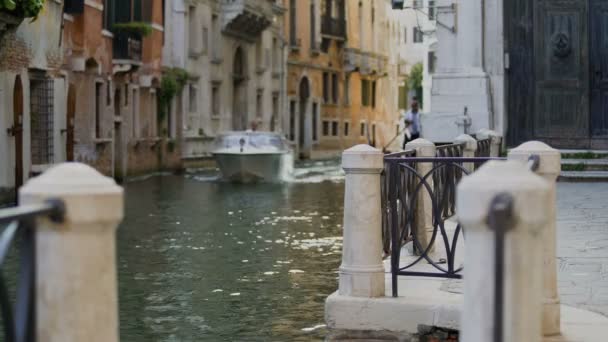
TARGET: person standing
(412,124)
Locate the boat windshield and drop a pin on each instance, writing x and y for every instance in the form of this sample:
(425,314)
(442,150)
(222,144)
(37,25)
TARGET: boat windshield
(254,140)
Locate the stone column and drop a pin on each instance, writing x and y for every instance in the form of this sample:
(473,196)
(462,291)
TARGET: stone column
(495,141)
(424,205)
(470,147)
(76,285)
(549,168)
(522,275)
(362,270)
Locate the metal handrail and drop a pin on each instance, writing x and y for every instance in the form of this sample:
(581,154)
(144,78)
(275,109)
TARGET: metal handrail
(20,222)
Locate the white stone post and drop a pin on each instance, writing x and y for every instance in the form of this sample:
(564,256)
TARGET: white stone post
(495,141)
(76,289)
(470,147)
(424,205)
(549,168)
(362,270)
(522,275)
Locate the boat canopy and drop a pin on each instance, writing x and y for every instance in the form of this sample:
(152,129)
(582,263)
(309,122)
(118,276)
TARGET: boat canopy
(248,140)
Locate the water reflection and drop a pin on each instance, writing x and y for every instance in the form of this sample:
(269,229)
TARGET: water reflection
(202,260)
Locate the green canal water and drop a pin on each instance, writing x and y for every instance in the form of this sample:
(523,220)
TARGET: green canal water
(203,260)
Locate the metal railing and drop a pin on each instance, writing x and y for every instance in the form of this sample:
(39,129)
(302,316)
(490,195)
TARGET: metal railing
(126,47)
(483,150)
(19,225)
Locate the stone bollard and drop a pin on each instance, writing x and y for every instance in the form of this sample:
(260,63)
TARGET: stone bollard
(470,147)
(76,285)
(495,141)
(522,277)
(362,270)
(424,205)
(549,168)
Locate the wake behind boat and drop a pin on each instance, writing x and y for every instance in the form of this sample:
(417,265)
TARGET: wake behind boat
(253,157)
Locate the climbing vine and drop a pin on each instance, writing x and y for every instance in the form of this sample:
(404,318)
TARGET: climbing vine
(22,8)
(173,83)
(415,80)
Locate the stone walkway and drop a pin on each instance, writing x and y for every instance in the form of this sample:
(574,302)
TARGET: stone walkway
(582,245)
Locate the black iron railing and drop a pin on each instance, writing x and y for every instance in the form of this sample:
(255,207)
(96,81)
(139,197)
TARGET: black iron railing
(403,187)
(19,225)
(126,46)
(483,150)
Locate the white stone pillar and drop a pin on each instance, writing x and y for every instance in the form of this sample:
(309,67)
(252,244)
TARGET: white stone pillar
(495,141)
(522,276)
(469,149)
(76,285)
(362,270)
(549,168)
(424,205)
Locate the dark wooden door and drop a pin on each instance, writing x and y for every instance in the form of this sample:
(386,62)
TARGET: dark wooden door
(598,39)
(71,113)
(18,130)
(561,115)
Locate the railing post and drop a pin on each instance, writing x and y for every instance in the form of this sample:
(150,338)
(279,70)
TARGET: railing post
(549,168)
(76,289)
(469,149)
(362,270)
(517,230)
(423,224)
(496,141)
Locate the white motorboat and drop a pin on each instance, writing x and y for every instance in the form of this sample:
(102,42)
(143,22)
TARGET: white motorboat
(253,156)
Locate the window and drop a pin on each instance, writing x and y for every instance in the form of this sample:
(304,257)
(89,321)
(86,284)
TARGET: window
(334,87)
(126,94)
(108,14)
(215,100)
(418,36)
(259,103)
(365,93)
(275,111)
(192,41)
(205,40)
(334,128)
(41,114)
(362,129)
(108,93)
(432,61)
(292,120)
(276,53)
(326,87)
(315,121)
(347,89)
(417,4)
(193,99)
(402,97)
(405,34)
(373,134)
(313,28)
(373,94)
(215,34)
(292,23)
(325,128)
(346,129)
(135,114)
(431,10)
(98,109)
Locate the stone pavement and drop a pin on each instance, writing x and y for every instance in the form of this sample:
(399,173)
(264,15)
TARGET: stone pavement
(582,245)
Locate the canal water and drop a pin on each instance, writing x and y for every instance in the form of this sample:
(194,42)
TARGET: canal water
(204,260)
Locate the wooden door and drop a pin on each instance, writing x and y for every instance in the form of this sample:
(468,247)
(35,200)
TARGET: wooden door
(71,113)
(598,40)
(561,115)
(18,130)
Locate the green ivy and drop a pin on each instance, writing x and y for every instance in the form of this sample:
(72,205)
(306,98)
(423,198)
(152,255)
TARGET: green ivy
(173,82)
(22,8)
(415,80)
(133,28)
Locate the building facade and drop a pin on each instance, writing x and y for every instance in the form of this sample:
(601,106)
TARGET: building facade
(234,54)
(343,76)
(33,123)
(528,69)
(114,79)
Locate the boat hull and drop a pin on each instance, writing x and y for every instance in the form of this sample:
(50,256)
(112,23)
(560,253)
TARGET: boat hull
(251,168)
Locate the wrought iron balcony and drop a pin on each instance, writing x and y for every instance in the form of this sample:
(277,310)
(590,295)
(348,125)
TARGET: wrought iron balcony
(246,18)
(333,27)
(127,47)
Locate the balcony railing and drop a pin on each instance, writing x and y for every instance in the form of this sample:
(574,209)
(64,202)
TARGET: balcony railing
(333,27)
(127,47)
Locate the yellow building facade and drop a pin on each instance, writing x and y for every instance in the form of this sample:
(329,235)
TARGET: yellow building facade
(342,82)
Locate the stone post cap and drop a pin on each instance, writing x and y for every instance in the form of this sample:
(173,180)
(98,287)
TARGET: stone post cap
(530,192)
(550,158)
(363,157)
(423,147)
(485,133)
(89,196)
(420,142)
(470,144)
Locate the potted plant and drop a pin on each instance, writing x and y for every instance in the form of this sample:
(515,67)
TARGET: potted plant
(13,12)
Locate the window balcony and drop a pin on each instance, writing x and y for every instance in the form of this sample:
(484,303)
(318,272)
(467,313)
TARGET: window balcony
(246,18)
(333,27)
(367,63)
(127,48)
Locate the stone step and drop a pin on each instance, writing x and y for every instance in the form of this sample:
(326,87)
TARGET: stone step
(583,176)
(584,154)
(585,164)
